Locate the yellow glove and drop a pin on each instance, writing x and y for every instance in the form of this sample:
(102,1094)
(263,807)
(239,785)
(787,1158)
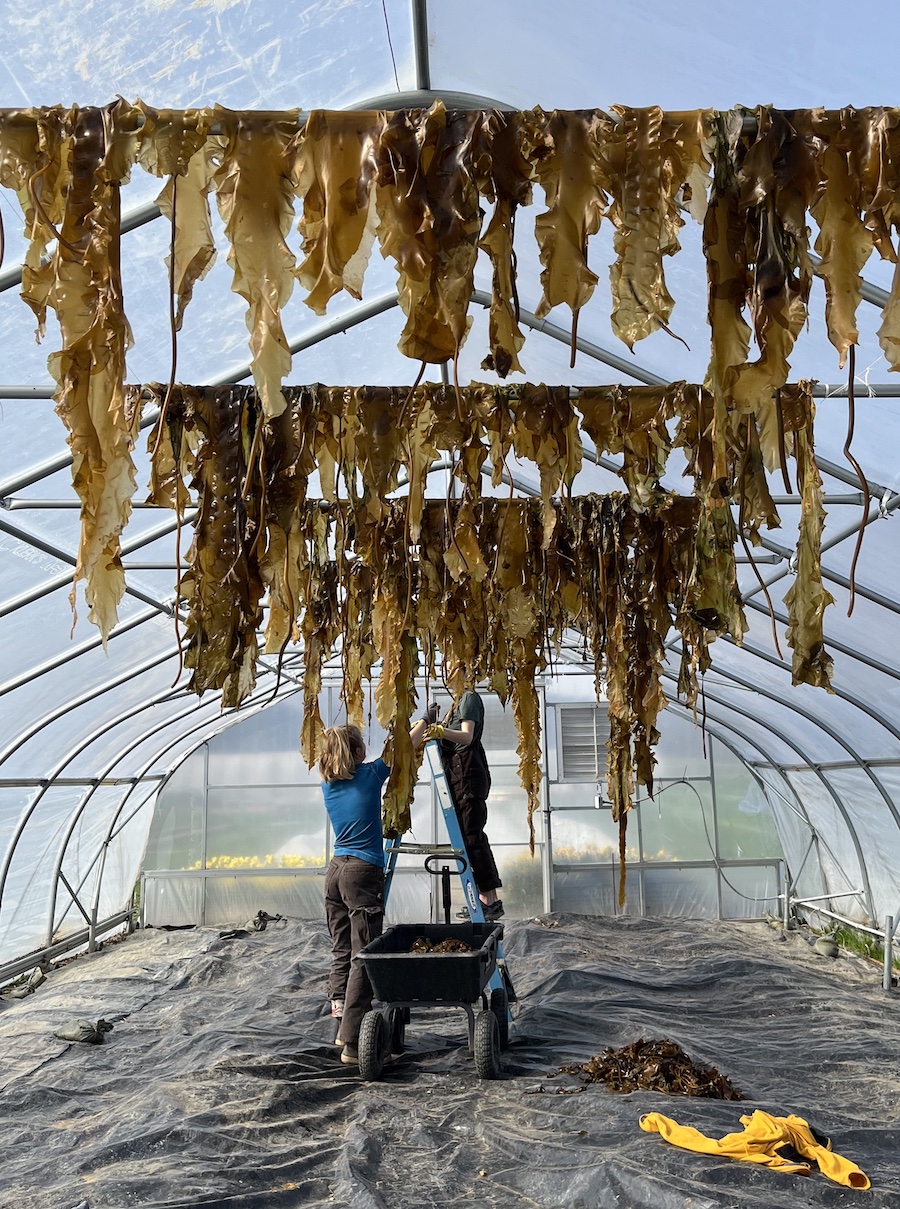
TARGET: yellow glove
(435,731)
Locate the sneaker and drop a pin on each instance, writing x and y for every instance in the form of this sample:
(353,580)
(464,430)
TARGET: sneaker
(337,1008)
(491,911)
(350,1055)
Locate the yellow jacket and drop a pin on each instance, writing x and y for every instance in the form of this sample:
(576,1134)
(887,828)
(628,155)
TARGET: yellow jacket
(759,1142)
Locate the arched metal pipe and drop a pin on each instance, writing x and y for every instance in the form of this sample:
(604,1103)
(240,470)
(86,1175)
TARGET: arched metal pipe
(254,708)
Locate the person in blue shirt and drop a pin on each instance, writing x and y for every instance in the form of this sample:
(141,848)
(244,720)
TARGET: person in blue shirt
(354,880)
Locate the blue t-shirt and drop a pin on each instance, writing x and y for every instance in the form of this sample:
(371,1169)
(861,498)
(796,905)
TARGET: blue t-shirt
(354,808)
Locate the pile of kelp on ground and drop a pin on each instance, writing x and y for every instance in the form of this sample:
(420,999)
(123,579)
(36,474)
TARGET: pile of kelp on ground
(654,1066)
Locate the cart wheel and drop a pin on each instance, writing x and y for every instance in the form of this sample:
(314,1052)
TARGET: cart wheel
(500,1008)
(396,1021)
(373,1043)
(487,1045)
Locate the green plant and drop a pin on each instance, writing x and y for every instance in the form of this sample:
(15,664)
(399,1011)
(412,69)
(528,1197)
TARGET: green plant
(857,941)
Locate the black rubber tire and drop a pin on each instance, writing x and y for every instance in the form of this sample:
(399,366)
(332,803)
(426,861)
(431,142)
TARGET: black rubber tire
(500,1008)
(396,1020)
(487,1045)
(372,1045)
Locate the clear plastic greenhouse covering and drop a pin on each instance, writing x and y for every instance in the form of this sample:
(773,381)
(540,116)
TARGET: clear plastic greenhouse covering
(90,734)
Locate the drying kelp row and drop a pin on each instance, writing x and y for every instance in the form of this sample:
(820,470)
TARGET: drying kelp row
(363,441)
(419,182)
(499,585)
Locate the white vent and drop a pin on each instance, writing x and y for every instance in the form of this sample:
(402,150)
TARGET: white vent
(584,731)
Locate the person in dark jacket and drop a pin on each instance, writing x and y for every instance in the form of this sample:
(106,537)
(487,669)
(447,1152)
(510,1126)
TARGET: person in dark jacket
(466,766)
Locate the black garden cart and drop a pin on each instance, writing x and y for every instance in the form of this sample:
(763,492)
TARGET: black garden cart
(402,979)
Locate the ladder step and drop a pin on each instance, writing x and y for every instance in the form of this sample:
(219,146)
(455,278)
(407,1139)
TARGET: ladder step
(428,850)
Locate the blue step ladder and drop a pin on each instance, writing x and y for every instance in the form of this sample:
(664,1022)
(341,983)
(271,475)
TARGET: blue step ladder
(456,849)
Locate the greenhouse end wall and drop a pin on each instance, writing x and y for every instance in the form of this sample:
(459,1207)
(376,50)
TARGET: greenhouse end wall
(240,826)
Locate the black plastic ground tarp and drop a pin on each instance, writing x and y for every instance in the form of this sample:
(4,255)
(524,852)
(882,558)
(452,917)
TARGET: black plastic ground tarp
(219,1083)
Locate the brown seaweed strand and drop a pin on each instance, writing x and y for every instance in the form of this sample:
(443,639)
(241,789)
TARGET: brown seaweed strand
(251,459)
(38,205)
(340,542)
(460,408)
(407,537)
(173,332)
(851,422)
(451,524)
(289,629)
(175,613)
(511,493)
(262,501)
(782,452)
(703,711)
(746,545)
(573,344)
(514,261)
(401,419)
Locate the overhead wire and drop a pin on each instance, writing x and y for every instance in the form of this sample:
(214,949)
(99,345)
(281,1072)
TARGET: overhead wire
(387,26)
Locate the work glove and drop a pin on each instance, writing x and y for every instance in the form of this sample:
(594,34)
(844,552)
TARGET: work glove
(431,714)
(435,731)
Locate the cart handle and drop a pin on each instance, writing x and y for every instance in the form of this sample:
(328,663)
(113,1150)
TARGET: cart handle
(437,856)
(444,874)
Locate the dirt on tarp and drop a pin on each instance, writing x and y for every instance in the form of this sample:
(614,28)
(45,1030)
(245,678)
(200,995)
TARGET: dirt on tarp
(655,1066)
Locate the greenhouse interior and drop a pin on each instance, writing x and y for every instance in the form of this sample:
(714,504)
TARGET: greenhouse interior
(398,347)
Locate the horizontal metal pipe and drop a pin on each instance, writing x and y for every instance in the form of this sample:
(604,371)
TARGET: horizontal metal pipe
(43,956)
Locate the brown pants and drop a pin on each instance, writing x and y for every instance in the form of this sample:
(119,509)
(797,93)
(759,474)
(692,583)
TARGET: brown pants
(354,909)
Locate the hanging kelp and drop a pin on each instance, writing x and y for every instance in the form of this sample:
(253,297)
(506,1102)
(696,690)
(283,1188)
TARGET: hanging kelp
(779,178)
(660,154)
(538,424)
(573,173)
(417,181)
(82,159)
(176,144)
(429,224)
(504,167)
(488,583)
(255,196)
(208,435)
(365,440)
(807,598)
(335,169)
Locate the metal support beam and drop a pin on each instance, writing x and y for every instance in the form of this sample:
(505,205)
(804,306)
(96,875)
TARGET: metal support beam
(255,704)
(90,644)
(826,784)
(863,706)
(420,43)
(73,703)
(320,331)
(841,742)
(61,581)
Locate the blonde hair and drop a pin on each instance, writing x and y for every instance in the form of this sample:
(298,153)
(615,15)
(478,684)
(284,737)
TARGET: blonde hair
(342,750)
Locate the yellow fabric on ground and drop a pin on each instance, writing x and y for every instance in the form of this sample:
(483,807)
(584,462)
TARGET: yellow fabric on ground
(759,1142)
